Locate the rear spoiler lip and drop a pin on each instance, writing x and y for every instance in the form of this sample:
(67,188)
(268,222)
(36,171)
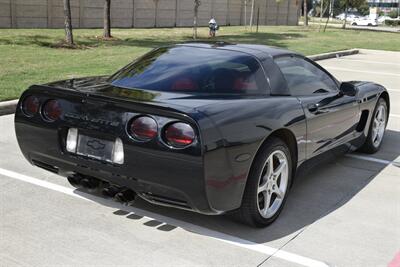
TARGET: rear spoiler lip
(55,91)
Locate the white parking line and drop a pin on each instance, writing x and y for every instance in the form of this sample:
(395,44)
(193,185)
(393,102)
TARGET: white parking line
(233,240)
(369,61)
(363,71)
(394,115)
(383,161)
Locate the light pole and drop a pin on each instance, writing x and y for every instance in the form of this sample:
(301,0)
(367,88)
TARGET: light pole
(398,9)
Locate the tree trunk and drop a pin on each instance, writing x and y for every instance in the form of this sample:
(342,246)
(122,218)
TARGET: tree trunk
(345,15)
(245,15)
(68,23)
(155,13)
(321,12)
(329,15)
(251,15)
(107,19)
(196,12)
(320,15)
(305,13)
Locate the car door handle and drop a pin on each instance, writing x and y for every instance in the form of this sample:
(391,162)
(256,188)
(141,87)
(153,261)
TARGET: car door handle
(322,111)
(317,109)
(312,107)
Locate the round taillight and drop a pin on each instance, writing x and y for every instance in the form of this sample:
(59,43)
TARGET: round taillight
(52,110)
(30,106)
(143,128)
(179,134)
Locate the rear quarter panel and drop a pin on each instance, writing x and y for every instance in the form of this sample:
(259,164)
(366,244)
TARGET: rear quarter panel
(233,136)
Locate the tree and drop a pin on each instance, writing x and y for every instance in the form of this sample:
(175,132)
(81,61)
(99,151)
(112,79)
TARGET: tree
(69,38)
(353,4)
(245,14)
(305,13)
(155,13)
(197,3)
(329,15)
(321,11)
(346,9)
(251,14)
(107,19)
(364,8)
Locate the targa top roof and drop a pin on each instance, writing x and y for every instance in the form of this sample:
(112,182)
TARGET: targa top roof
(253,49)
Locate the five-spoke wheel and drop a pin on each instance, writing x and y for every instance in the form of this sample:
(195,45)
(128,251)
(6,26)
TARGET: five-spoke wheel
(267,184)
(379,124)
(273,184)
(376,128)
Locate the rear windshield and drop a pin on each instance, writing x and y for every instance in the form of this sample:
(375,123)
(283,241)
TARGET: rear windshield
(193,70)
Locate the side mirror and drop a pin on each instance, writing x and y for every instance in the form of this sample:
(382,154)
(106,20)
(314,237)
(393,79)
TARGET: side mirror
(348,89)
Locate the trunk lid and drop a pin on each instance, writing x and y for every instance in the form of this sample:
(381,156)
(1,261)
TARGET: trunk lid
(98,86)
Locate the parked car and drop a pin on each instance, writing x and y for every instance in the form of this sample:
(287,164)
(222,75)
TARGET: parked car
(382,19)
(350,16)
(211,128)
(364,21)
(340,16)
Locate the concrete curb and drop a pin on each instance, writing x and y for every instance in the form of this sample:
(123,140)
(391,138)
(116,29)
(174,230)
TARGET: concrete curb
(8,107)
(334,54)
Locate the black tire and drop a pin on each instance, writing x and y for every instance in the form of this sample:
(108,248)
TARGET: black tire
(354,24)
(249,212)
(369,147)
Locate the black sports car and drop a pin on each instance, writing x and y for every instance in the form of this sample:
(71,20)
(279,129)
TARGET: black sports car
(210,128)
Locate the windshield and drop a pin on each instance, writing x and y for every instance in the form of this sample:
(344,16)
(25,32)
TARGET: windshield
(193,70)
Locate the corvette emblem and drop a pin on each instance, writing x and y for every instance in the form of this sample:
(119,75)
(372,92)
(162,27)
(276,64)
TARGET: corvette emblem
(91,120)
(95,144)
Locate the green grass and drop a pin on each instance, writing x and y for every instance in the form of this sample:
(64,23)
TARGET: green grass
(32,57)
(323,20)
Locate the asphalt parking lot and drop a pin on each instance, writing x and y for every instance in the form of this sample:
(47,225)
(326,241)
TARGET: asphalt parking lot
(343,212)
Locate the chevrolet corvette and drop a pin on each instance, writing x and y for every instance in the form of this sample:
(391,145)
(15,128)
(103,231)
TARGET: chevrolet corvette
(208,127)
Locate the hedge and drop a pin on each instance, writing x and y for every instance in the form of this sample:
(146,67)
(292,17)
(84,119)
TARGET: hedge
(392,22)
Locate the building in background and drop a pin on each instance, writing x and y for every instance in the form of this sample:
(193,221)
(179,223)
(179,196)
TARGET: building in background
(144,13)
(385,6)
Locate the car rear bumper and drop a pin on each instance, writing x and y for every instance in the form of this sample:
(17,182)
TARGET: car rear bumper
(160,177)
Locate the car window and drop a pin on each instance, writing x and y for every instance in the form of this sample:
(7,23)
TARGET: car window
(184,69)
(304,78)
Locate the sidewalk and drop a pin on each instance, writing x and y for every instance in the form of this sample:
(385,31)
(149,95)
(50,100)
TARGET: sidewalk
(365,28)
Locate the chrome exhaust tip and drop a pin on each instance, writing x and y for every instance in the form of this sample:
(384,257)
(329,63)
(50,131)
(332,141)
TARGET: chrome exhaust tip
(91,184)
(126,196)
(110,191)
(74,180)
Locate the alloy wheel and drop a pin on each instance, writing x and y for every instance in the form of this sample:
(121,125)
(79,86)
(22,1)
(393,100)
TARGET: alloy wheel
(273,184)
(379,124)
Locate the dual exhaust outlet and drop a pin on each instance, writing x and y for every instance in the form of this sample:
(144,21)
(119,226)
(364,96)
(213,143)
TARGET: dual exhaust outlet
(119,194)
